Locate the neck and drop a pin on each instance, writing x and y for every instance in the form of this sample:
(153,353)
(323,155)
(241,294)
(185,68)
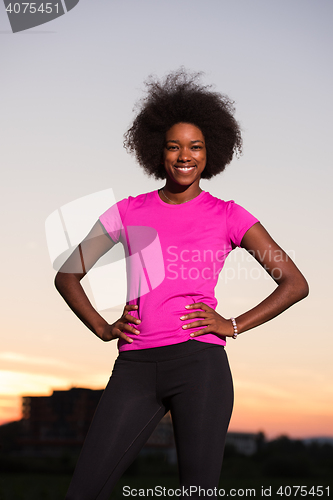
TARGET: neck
(180,194)
(178,198)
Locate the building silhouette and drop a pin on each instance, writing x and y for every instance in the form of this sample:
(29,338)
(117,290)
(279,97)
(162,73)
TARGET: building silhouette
(55,424)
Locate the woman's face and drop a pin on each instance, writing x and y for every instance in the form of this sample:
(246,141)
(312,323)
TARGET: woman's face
(184,154)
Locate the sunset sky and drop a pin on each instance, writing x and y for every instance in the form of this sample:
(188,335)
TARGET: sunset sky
(67,93)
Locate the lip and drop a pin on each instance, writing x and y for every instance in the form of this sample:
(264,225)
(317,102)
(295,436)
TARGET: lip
(185,170)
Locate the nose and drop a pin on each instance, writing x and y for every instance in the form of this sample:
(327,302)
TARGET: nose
(184,155)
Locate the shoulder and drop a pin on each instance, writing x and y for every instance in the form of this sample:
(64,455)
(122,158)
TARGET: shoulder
(239,221)
(223,206)
(236,219)
(132,203)
(230,207)
(113,219)
(140,200)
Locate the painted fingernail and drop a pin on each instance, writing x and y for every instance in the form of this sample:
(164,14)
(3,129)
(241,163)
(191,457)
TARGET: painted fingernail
(184,326)
(136,331)
(138,321)
(191,334)
(183,317)
(187,307)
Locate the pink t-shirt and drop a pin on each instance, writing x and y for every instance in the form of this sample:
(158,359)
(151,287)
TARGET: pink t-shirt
(174,254)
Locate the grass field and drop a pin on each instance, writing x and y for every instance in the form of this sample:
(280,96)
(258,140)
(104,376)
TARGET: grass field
(281,470)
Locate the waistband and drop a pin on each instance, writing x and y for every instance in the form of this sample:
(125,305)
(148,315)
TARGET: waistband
(168,352)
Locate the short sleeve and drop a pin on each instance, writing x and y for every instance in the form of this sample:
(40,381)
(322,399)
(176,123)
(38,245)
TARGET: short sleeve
(112,219)
(239,221)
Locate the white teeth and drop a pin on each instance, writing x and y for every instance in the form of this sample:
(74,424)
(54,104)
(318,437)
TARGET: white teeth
(185,169)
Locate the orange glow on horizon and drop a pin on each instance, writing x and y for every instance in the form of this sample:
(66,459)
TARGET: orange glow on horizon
(272,420)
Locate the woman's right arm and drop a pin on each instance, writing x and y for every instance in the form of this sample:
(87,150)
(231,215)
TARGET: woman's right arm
(67,282)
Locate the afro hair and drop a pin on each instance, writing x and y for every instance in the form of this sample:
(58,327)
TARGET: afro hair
(180,98)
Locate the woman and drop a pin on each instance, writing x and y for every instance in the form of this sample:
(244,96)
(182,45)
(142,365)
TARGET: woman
(170,337)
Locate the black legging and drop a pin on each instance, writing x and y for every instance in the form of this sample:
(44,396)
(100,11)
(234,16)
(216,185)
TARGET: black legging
(193,381)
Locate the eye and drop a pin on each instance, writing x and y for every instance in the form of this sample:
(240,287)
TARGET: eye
(172,148)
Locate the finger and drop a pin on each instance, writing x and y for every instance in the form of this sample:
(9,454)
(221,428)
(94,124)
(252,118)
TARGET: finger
(130,319)
(198,314)
(123,336)
(195,324)
(198,305)
(130,307)
(199,332)
(119,334)
(128,328)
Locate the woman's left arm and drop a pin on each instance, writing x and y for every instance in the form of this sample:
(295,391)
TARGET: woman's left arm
(292,286)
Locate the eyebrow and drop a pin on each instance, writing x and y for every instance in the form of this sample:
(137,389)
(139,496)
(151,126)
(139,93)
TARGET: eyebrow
(177,142)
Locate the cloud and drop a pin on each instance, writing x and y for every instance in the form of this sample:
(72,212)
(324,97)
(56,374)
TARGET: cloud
(15,358)
(16,383)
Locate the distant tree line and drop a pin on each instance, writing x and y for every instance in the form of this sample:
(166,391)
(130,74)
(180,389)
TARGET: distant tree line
(282,457)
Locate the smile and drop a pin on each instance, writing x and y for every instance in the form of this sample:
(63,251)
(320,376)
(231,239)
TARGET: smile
(185,169)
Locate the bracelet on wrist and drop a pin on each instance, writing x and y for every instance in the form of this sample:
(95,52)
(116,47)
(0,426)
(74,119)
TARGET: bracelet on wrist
(234,324)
